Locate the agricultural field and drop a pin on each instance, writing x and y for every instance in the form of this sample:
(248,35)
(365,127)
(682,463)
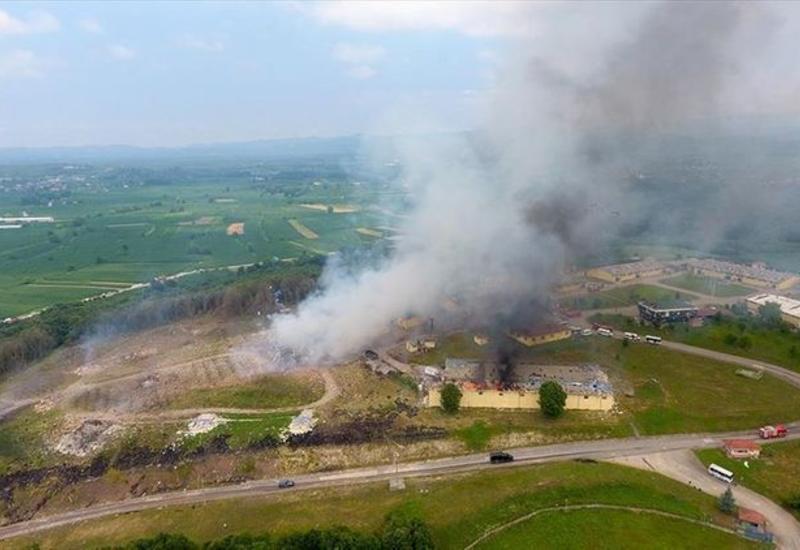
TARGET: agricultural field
(115,226)
(448,505)
(708,286)
(623,296)
(774,474)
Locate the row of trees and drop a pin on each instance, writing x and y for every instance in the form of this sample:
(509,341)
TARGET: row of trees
(231,294)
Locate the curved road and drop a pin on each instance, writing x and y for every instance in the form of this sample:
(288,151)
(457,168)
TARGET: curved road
(598,450)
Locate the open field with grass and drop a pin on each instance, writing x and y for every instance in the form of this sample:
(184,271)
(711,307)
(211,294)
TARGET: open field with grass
(774,475)
(266,392)
(448,505)
(623,296)
(609,529)
(737,337)
(708,286)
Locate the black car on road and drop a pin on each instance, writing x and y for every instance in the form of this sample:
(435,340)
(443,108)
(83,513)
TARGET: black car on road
(285,483)
(500,457)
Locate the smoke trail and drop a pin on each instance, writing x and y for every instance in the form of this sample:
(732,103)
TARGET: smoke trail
(495,218)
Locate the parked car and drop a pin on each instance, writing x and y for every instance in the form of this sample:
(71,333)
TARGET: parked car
(500,457)
(285,484)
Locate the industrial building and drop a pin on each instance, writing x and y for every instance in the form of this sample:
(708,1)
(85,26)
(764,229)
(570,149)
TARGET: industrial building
(666,312)
(587,386)
(757,274)
(621,273)
(541,334)
(790,308)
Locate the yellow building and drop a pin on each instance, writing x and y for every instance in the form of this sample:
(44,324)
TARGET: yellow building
(541,335)
(621,273)
(520,399)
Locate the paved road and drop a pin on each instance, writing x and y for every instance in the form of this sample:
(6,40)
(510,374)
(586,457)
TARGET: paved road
(684,466)
(600,449)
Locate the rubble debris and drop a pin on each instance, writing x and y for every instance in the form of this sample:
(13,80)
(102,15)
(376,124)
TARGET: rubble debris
(303,423)
(203,423)
(86,439)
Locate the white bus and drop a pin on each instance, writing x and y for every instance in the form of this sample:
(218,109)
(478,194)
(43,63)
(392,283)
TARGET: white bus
(653,339)
(602,331)
(632,336)
(720,473)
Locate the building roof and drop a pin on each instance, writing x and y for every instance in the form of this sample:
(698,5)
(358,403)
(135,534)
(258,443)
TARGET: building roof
(539,330)
(669,305)
(633,268)
(751,516)
(789,306)
(742,444)
(758,272)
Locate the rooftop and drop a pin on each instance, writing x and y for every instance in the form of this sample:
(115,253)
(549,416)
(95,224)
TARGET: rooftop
(755,271)
(789,306)
(664,305)
(745,444)
(751,516)
(633,267)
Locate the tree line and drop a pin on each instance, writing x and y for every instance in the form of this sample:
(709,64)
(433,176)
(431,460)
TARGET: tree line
(260,288)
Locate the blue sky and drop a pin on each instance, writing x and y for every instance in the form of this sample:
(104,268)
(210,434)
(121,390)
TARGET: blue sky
(75,73)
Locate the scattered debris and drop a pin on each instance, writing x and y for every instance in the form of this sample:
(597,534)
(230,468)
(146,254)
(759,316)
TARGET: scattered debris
(203,423)
(303,423)
(88,438)
(43,405)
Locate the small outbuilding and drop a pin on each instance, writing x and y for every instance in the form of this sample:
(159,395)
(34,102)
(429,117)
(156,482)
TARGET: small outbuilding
(751,519)
(742,448)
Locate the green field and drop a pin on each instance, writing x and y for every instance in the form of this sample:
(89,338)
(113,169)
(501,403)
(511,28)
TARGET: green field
(458,509)
(609,529)
(708,286)
(267,392)
(777,346)
(131,233)
(623,296)
(774,475)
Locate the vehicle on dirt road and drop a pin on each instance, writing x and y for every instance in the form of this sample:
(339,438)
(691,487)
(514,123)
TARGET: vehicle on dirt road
(500,457)
(720,473)
(650,339)
(772,432)
(285,484)
(632,336)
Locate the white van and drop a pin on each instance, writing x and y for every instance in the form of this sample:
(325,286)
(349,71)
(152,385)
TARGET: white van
(655,340)
(632,336)
(602,331)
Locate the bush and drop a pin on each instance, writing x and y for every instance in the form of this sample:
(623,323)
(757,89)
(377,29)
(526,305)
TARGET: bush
(451,398)
(552,399)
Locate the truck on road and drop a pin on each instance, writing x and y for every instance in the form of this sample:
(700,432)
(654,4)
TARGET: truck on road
(772,432)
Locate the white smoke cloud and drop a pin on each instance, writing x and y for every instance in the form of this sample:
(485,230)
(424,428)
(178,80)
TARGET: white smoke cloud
(496,216)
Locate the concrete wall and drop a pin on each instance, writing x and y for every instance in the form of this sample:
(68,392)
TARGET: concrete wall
(496,399)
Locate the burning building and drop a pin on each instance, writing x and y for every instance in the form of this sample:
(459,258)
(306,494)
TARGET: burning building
(498,386)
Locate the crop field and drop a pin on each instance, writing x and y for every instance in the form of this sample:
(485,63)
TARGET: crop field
(456,518)
(112,234)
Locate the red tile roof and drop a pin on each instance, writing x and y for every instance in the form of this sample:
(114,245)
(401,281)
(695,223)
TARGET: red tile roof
(751,516)
(742,444)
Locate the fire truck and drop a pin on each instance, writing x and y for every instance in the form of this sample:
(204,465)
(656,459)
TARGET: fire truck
(771,432)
